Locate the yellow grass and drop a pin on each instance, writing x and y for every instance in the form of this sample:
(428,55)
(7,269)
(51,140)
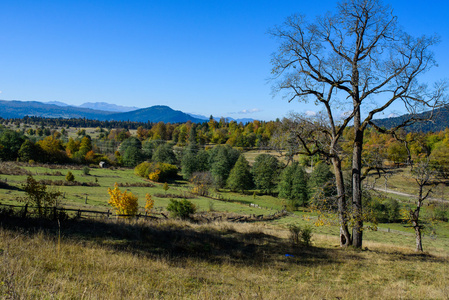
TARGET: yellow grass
(250,263)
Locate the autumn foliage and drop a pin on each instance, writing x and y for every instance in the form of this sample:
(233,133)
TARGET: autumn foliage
(125,204)
(149,204)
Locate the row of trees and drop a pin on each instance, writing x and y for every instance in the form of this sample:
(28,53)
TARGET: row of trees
(378,148)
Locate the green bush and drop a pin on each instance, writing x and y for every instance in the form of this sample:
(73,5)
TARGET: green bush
(142,169)
(300,235)
(306,236)
(86,170)
(181,208)
(385,210)
(69,177)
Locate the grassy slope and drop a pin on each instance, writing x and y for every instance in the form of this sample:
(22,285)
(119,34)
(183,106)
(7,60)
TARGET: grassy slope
(174,260)
(75,197)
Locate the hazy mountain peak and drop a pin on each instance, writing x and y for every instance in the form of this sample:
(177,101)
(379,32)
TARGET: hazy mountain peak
(108,107)
(58,103)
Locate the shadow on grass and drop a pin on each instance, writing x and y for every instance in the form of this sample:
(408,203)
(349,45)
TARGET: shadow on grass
(6,186)
(177,241)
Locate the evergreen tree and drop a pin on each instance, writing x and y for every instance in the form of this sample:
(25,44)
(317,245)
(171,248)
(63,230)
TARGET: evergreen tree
(188,164)
(293,185)
(193,161)
(164,154)
(321,179)
(240,177)
(202,161)
(29,151)
(220,168)
(149,147)
(265,172)
(131,150)
(322,187)
(300,191)
(132,157)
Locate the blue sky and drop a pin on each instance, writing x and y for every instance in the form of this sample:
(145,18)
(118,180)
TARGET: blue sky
(202,57)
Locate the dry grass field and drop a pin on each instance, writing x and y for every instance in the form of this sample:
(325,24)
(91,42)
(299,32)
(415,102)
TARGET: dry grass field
(181,260)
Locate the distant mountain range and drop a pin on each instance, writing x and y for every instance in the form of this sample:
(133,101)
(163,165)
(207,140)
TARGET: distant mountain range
(440,121)
(99,111)
(20,109)
(103,111)
(98,106)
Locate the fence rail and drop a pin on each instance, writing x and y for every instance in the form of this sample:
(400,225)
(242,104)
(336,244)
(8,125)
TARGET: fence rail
(79,212)
(53,212)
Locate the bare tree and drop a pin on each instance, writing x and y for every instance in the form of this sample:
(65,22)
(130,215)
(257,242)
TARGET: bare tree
(358,61)
(424,176)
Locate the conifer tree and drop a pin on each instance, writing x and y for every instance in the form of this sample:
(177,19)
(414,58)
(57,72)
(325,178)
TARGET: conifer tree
(240,177)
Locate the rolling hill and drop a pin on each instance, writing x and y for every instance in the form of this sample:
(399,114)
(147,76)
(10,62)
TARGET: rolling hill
(155,114)
(20,109)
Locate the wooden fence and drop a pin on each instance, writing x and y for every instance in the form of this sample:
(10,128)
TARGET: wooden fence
(26,210)
(53,212)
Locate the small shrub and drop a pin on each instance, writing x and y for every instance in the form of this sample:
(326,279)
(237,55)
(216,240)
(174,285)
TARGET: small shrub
(300,235)
(306,236)
(39,196)
(69,177)
(86,170)
(165,187)
(181,208)
(149,204)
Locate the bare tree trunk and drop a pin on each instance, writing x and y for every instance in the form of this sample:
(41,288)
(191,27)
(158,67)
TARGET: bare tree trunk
(345,236)
(357,230)
(415,220)
(418,237)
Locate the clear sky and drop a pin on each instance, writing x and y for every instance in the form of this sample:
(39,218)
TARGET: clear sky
(204,57)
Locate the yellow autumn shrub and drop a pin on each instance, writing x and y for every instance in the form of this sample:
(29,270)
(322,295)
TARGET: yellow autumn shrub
(149,204)
(154,176)
(124,203)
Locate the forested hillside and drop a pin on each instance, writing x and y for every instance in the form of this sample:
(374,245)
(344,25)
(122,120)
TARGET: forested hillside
(438,122)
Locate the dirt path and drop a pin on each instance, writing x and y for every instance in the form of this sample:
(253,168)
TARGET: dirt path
(408,195)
